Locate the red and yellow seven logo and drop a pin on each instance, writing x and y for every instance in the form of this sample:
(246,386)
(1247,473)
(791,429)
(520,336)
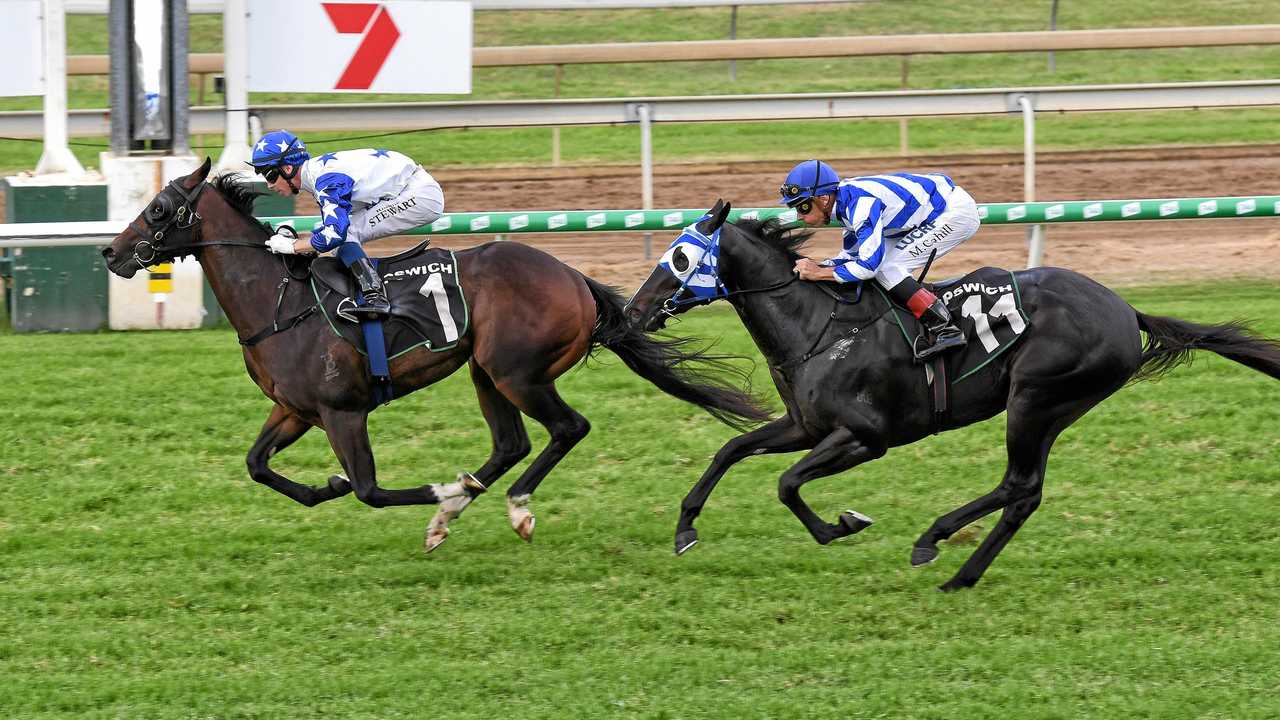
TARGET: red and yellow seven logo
(380,35)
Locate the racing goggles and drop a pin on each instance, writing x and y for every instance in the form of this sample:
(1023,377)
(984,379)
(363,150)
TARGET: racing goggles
(802,206)
(269,174)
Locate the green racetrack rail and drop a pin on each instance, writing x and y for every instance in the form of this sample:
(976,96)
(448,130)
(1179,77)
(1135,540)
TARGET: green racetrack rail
(502,223)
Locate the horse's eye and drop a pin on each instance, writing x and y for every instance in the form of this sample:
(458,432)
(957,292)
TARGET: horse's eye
(156,209)
(679,261)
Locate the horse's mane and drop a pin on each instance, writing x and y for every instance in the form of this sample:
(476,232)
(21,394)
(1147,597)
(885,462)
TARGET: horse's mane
(776,234)
(240,195)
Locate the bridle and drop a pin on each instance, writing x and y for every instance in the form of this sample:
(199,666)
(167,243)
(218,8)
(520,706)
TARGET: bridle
(150,247)
(672,304)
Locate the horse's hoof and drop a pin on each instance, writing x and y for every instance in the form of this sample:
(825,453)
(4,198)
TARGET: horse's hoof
(953,585)
(921,556)
(686,539)
(525,528)
(435,539)
(854,521)
(339,485)
(470,483)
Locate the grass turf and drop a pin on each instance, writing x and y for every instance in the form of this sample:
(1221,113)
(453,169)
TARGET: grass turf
(144,575)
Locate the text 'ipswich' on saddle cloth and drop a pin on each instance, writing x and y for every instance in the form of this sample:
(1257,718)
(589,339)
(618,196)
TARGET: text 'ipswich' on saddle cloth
(986,305)
(428,307)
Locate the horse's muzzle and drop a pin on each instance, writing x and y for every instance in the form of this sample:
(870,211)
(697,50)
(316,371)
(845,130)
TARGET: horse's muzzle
(124,266)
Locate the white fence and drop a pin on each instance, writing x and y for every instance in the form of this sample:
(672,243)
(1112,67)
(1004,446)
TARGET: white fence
(380,117)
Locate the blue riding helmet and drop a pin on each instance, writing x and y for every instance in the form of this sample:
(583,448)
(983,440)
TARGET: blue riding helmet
(279,147)
(809,179)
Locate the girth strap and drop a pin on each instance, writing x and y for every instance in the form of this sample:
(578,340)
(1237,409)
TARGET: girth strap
(940,397)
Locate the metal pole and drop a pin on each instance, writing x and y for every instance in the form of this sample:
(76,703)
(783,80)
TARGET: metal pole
(235,40)
(1035,233)
(1053,25)
(180,93)
(120,34)
(733,35)
(57,156)
(646,171)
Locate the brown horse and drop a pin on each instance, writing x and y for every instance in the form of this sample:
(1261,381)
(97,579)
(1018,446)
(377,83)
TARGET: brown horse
(532,318)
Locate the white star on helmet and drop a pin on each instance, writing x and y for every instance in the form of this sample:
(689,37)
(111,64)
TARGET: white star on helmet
(262,145)
(283,145)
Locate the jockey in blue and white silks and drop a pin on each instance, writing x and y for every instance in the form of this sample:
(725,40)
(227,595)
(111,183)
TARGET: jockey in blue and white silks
(362,194)
(893,224)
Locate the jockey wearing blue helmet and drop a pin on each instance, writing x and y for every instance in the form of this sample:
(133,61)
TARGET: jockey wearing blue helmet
(893,224)
(279,153)
(362,194)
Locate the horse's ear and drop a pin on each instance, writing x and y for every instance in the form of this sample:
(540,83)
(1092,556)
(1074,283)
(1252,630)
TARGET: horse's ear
(201,172)
(719,213)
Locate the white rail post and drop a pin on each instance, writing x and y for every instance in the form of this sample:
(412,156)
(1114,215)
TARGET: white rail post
(733,35)
(57,156)
(555,131)
(235,39)
(646,170)
(1035,233)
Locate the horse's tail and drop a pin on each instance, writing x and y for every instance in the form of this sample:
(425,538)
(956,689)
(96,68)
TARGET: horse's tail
(690,374)
(1170,343)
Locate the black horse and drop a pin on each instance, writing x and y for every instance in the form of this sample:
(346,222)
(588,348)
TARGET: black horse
(532,318)
(1082,344)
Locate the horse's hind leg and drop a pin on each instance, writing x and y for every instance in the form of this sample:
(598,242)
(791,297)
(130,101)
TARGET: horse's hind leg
(510,446)
(566,427)
(281,430)
(837,452)
(1035,421)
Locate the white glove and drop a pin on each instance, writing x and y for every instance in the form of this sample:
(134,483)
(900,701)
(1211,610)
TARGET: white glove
(281,244)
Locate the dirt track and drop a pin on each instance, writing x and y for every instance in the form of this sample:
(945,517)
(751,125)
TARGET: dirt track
(1115,252)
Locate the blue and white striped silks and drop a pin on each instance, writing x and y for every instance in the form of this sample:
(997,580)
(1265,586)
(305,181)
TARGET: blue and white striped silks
(694,259)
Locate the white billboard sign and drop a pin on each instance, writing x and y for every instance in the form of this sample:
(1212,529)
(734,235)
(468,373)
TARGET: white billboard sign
(21,36)
(397,46)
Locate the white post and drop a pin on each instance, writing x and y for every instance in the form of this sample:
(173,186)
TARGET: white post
(235,43)
(1035,233)
(646,171)
(57,156)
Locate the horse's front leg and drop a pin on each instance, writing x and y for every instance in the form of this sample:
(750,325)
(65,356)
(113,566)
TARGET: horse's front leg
(348,433)
(281,430)
(780,435)
(837,452)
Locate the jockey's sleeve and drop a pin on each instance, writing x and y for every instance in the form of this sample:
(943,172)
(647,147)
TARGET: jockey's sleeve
(863,241)
(333,193)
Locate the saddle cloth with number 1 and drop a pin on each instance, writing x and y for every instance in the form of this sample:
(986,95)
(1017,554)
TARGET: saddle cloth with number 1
(428,308)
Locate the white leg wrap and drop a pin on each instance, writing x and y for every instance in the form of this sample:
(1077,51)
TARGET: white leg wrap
(518,511)
(453,499)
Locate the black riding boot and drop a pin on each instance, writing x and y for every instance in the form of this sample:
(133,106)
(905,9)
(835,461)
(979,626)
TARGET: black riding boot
(375,301)
(945,334)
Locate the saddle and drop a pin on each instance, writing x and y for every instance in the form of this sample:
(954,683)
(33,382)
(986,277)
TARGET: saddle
(428,307)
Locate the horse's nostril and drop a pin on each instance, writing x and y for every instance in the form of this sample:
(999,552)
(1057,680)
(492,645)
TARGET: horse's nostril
(108,253)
